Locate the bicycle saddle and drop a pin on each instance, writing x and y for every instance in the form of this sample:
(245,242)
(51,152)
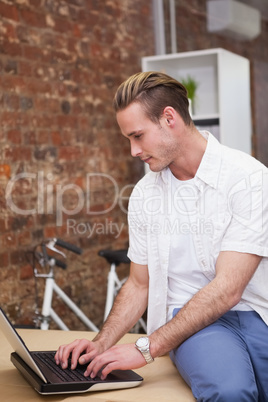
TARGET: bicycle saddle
(115,256)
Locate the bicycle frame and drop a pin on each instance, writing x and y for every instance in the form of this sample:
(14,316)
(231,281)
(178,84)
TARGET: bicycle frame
(48,263)
(49,313)
(113,286)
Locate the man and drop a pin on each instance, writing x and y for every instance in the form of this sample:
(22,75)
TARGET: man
(198,227)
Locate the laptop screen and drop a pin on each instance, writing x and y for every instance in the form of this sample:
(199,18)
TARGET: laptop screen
(17,344)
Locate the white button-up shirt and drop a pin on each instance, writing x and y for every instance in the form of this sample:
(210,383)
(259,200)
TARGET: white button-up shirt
(231,214)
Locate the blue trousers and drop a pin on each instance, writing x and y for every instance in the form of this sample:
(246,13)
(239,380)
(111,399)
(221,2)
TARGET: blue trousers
(228,360)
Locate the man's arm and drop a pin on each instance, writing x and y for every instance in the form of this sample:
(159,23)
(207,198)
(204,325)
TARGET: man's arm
(233,272)
(128,307)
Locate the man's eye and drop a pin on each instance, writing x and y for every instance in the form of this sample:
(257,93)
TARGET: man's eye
(137,136)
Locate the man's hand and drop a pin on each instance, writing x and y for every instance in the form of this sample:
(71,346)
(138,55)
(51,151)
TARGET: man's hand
(76,348)
(120,320)
(118,357)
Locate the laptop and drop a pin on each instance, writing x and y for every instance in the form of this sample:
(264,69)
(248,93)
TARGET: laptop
(41,371)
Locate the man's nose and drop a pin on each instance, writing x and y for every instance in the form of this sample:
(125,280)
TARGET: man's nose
(135,150)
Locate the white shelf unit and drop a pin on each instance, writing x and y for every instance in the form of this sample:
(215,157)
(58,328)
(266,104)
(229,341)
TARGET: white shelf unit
(223,94)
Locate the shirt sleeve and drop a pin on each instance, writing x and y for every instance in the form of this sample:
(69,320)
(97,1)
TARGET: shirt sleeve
(248,206)
(137,228)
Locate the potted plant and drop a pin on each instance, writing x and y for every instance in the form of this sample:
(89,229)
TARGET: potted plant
(191,85)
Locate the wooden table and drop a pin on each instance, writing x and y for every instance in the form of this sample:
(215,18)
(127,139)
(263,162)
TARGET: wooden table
(161,382)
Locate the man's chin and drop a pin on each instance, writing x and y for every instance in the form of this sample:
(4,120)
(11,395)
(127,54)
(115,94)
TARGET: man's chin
(156,168)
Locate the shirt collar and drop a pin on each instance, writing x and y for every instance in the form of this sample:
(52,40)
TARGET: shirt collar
(209,168)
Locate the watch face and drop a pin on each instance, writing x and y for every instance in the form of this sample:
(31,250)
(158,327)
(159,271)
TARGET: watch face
(142,342)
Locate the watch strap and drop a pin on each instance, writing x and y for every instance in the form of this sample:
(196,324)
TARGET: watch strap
(147,356)
(145,351)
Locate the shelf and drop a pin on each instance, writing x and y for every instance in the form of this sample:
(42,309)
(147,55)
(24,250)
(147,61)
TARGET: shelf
(208,121)
(203,67)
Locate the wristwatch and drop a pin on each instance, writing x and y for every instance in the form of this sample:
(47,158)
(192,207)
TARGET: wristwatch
(143,345)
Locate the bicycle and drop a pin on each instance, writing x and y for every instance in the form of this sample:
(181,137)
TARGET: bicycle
(114,284)
(48,262)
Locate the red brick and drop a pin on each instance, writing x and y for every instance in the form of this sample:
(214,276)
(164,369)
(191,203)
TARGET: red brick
(43,137)
(5,171)
(50,232)
(35,3)
(23,33)
(9,11)
(25,68)
(14,136)
(33,18)
(11,101)
(10,48)
(26,272)
(30,138)
(18,223)
(14,119)
(67,122)
(84,123)
(41,121)
(60,89)
(58,56)
(35,53)
(9,29)
(21,186)
(62,25)
(69,153)
(11,67)
(95,49)
(24,238)
(4,225)
(77,31)
(17,154)
(4,259)
(9,240)
(35,87)
(50,105)
(56,138)
(14,83)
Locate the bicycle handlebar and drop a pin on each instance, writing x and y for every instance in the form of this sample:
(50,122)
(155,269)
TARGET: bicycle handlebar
(59,263)
(42,258)
(45,259)
(68,246)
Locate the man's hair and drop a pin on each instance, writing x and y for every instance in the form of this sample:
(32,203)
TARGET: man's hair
(154,91)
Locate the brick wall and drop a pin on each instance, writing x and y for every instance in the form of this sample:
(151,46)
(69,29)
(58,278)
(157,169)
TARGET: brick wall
(62,159)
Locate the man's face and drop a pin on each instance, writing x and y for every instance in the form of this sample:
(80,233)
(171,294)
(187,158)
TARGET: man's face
(152,143)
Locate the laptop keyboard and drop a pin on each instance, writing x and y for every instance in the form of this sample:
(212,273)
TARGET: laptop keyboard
(64,374)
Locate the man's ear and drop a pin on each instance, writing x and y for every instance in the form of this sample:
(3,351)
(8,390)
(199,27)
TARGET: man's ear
(169,116)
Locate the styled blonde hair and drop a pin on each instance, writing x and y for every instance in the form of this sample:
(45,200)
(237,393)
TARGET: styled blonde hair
(154,91)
